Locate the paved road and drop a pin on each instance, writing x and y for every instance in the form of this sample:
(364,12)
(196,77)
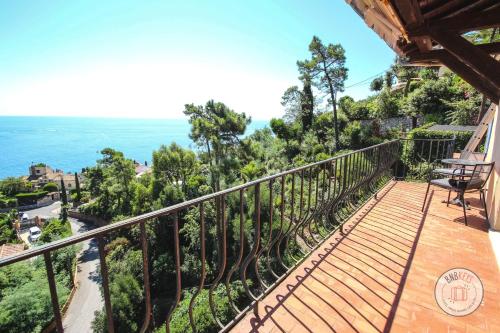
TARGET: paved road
(87,298)
(49,211)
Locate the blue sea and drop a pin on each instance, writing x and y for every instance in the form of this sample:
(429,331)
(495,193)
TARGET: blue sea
(71,143)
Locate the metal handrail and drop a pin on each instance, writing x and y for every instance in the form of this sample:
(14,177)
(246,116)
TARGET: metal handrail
(55,245)
(418,155)
(328,192)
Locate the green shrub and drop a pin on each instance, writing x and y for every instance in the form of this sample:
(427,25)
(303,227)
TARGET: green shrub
(50,187)
(55,229)
(30,198)
(201,309)
(25,296)
(461,138)
(7,232)
(8,202)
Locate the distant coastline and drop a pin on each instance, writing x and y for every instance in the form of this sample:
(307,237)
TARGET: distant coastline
(71,143)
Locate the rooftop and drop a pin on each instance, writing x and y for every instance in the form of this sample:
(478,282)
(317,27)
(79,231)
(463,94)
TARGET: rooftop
(10,249)
(453,128)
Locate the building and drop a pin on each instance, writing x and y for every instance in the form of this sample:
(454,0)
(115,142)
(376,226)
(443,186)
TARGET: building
(141,169)
(41,174)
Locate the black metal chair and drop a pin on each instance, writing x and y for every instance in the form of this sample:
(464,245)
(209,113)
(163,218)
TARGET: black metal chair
(462,182)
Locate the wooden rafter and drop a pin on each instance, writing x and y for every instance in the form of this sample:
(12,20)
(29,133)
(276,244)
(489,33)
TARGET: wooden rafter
(460,23)
(472,56)
(429,33)
(410,12)
(448,5)
(415,56)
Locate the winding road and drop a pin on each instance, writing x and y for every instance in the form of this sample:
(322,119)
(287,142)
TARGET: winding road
(87,298)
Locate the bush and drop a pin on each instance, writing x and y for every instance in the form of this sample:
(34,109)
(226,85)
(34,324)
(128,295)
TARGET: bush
(30,198)
(8,202)
(461,138)
(7,232)
(25,296)
(201,310)
(55,229)
(50,187)
(356,136)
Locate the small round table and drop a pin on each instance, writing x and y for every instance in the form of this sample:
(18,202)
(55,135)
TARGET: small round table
(462,163)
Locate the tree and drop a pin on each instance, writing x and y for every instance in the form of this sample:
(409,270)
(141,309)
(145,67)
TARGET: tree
(64,199)
(388,79)
(111,182)
(377,84)
(299,105)
(430,98)
(173,165)
(64,194)
(307,103)
(78,190)
(284,131)
(406,74)
(11,186)
(291,100)
(216,128)
(387,105)
(328,73)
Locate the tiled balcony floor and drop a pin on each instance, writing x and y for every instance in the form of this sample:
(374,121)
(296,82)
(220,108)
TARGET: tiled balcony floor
(380,277)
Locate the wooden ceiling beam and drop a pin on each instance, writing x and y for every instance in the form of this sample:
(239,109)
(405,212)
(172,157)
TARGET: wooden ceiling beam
(460,23)
(490,48)
(469,75)
(409,10)
(447,6)
(469,54)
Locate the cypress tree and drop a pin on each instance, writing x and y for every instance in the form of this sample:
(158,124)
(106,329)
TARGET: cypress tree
(64,195)
(78,191)
(64,199)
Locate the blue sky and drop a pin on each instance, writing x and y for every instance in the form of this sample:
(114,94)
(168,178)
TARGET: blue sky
(149,58)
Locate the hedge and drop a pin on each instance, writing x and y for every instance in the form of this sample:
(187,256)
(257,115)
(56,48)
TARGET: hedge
(50,187)
(8,202)
(461,138)
(30,198)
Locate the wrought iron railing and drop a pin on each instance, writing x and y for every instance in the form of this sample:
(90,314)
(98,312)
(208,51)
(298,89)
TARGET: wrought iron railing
(418,156)
(262,230)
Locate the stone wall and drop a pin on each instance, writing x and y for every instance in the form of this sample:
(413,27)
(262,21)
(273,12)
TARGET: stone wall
(404,122)
(86,218)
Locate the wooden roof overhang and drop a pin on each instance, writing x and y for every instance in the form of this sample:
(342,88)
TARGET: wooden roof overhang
(429,33)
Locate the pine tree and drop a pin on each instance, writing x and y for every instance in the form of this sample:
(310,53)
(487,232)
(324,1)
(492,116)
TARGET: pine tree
(328,73)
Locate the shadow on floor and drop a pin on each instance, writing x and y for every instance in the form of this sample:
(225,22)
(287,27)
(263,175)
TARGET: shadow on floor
(354,281)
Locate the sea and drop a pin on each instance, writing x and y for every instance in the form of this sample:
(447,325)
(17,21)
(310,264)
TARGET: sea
(73,143)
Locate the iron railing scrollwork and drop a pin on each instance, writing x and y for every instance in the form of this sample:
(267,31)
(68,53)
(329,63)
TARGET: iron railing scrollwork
(264,229)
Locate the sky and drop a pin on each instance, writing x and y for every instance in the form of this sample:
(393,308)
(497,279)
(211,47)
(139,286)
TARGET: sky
(147,59)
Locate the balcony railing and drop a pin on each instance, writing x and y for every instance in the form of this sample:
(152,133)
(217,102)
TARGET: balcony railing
(253,234)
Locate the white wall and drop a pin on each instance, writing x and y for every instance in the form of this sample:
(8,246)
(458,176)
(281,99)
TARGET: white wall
(493,192)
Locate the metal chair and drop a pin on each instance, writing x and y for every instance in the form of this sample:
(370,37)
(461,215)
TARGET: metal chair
(464,182)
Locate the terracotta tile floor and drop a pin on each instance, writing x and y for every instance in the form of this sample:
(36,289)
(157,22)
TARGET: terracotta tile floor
(380,277)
